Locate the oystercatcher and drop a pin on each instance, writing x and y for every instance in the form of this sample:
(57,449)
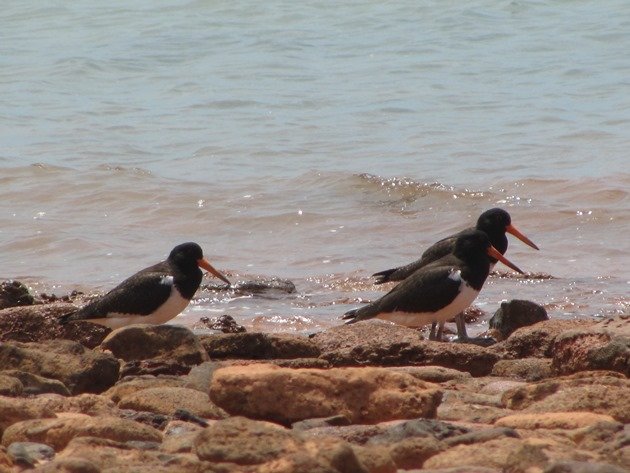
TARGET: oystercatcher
(153,295)
(494,222)
(441,289)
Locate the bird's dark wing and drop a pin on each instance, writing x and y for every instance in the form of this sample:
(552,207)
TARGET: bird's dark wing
(427,290)
(140,294)
(433,253)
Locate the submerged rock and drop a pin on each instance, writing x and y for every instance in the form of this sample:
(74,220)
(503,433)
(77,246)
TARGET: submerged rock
(224,324)
(515,314)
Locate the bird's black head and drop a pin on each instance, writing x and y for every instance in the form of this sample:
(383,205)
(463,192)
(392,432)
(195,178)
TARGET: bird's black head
(494,220)
(186,255)
(471,243)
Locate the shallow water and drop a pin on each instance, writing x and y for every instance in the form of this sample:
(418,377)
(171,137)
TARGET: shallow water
(317,144)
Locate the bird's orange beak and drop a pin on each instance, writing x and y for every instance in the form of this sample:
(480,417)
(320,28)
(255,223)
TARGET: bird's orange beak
(492,251)
(203,263)
(512,230)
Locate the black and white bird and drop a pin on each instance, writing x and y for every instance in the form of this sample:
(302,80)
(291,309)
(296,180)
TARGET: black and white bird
(495,223)
(439,290)
(153,295)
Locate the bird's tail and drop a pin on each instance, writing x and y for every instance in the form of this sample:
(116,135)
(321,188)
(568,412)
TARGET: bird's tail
(65,318)
(350,316)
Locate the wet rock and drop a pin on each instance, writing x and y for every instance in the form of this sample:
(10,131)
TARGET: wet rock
(285,395)
(599,392)
(38,323)
(34,384)
(167,400)
(259,286)
(159,343)
(515,314)
(58,432)
(257,346)
(536,340)
(29,454)
(552,420)
(224,324)
(595,349)
(10,386)
(78,368)
(380,343)
(529,369)
(14,293)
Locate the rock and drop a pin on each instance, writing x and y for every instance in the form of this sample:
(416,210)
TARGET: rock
(89,404)
(58,432)
(481,435)
(383,344)
(552,420)
(38,323)
(157,421)
(224,324)
(156,343)
(470,413)
(333,421)
(267,286)
(179,436)
(284,395)
(536,340)
(432,374)
(237,441)
(491,454)
(125,457)
(79,369)
(600,392)
(14,410)
(536,454)
(10,386)
(529,369)
(413,452)
(582,467)
(34,384)
(167,400)
(256,346)
(29,454)
(128,386)
(69,465)
(14,293)
(154,368)
(594,349)
(515,314)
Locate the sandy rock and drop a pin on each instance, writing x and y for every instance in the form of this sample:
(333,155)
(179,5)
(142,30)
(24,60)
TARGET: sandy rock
(491,454)
(69,465)
(29,454)
(530,369)
(172,343)
(375,459)
(13,410)
(237,441)
(582,467)
(380,343)
(536,340)
(283,395)
(258,346)
(535,454)
(432,374)
(470,413)
(128,386)
(552,420)
(80,369)
(179,436)
(515,314)
(10,386)
(597,391)
(34,384)
(166,400)
(59,431)
(611,400)
(413,452)
(107,455)
(89,404)
(36,323)
(595,349)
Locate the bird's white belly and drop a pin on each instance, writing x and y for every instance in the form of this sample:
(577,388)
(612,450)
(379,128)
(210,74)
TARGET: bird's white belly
(464,298)
(171,308)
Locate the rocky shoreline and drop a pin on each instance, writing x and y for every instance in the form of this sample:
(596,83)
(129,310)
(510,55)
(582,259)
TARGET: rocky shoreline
(372,397)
